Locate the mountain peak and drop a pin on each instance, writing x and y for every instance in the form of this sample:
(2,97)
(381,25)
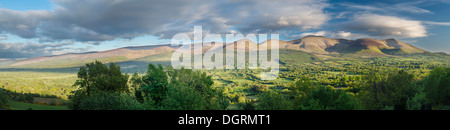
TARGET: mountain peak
(314,36)
(391,39)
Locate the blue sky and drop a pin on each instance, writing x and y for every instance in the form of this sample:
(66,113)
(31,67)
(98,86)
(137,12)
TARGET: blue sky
(31,28)
(26,4)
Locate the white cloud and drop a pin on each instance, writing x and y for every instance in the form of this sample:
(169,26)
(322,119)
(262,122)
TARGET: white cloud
(348,35)
(342,15)
(329,34)
(409,7)
(361,7)
(386,26)
(438,23)
(319,33)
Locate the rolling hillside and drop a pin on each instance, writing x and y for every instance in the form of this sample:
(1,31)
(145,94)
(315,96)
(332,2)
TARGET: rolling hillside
(131,57)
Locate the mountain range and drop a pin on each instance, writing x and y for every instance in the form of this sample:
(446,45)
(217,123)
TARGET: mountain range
(317,46)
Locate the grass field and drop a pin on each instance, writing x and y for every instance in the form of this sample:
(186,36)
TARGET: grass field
(43,83)
(26,106)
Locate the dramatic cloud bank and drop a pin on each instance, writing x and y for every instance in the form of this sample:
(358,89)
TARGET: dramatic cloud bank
(103,20)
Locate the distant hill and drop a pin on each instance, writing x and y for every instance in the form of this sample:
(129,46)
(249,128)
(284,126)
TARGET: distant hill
(77,59)
(311,45)
(323,45)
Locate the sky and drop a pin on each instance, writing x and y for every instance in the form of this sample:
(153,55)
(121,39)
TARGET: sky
(30,28)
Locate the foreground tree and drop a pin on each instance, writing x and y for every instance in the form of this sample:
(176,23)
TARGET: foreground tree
(437,87)
(419,101)
(100,88)
(327,98)
(273,101)
(110,101)
(183,89)
(299,91)
(384,89)
(4,98)
(97,76)
(136,83)
(192,90)
(154,83)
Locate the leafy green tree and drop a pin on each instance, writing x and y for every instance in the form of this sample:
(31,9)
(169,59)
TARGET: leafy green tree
(371,95)
(273,101)
(222,99)
(247,105)
(437,87)
(110,101)
(154,83)
(418,102)
(97,79)
(300,90)
(307,95)
(183,97)
(4,98)
(346,101)
(400,89)
(96,76)
(136,83)
(192,90)
(28,98)
(312,104)
(387,89)
(182,89)
(302,86)
(326,98)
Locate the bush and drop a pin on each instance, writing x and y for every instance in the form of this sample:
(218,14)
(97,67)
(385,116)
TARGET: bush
(273,101)
(259,88)
(28,98)
(419,101)
(4,98)
(247,105)
(326,98)
(110,101)
(182,97)
(192,90)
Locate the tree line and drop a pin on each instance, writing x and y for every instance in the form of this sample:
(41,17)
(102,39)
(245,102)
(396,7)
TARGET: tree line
(103,87)
(380,90)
